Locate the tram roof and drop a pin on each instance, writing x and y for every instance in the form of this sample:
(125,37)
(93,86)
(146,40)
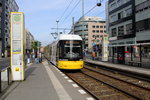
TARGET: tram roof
(69,37)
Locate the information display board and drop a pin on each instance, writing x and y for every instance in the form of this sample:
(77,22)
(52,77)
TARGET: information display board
(105,48)
(17,47)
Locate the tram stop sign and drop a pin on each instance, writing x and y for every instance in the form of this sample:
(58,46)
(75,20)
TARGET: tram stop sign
(17,49)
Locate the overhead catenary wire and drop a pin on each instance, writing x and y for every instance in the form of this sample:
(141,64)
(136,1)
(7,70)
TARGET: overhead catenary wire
(66,10)
(90,10)
(103,11)
(100,1)
(71,11)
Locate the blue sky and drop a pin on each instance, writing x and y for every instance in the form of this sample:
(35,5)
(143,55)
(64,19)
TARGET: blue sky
(41,15)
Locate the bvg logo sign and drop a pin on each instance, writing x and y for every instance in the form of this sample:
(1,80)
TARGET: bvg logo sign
(17,18)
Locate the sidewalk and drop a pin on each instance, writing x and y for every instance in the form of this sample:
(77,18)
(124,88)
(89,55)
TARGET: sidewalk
(138,70)
(43,81)
(37,86)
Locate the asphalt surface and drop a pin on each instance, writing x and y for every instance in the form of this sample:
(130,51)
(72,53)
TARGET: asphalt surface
(45,82)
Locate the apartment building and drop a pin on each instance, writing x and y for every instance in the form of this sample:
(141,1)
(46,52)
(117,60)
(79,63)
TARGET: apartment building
(29,39)
(128,21)
(91,29)
(6,6)
(121,21)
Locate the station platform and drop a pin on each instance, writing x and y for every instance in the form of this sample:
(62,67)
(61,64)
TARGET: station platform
(132,69)
(45,82)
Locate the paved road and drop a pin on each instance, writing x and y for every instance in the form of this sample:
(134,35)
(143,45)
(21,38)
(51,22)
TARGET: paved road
(4,62)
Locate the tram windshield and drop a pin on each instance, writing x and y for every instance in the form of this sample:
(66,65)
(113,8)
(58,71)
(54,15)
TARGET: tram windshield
(71,50)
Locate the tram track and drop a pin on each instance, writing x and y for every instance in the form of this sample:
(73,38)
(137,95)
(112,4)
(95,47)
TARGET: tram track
(104,85)
(115,75)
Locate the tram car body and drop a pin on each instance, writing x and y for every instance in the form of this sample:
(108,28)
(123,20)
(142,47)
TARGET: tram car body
(66,52)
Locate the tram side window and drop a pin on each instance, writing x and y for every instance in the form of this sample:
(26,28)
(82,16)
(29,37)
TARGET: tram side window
(61,50)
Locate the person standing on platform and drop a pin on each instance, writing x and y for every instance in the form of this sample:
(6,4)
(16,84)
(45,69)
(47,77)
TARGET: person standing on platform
(93,55)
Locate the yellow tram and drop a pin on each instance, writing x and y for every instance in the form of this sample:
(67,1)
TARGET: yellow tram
(66,52)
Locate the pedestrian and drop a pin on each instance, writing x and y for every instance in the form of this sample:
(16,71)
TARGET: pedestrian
(93,55)
(2,55)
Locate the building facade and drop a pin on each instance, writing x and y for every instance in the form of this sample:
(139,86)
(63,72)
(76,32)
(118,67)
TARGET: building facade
(91,29)
(120,22)
(6,6)
(128,22)
(29,39)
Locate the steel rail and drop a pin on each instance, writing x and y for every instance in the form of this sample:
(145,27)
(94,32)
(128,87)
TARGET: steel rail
(148,89)
(127,93)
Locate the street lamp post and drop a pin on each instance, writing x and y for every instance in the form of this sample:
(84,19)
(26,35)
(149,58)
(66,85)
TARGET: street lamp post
(82,7)
(83,23)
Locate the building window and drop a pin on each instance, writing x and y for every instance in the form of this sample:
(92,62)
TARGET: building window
(140,26)
(6,15)
(93,31)
(120,15)
(114,32)
(6,7)
(129,28)
(93,36)
(120,30)
(86,26)
(143,6)
(93,26)
(0,4)
(101,26)
(113,18)
(112,6)
(143,25)
(128,12)
(101,31)
(97,31)
(120,2)
(97,26)
(6,23)
(104,31)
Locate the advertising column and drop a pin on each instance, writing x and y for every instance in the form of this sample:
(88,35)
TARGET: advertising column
(17,47)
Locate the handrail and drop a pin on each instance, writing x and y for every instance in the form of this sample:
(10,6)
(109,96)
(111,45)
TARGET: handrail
(4,68)
(8,73)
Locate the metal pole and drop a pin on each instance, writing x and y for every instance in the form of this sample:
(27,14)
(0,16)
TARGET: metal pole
(141,55)
(8,70)
(113,50)
(73,24)
(83,35)
(131,53)
(0,83)
(82,22)
(82,8)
